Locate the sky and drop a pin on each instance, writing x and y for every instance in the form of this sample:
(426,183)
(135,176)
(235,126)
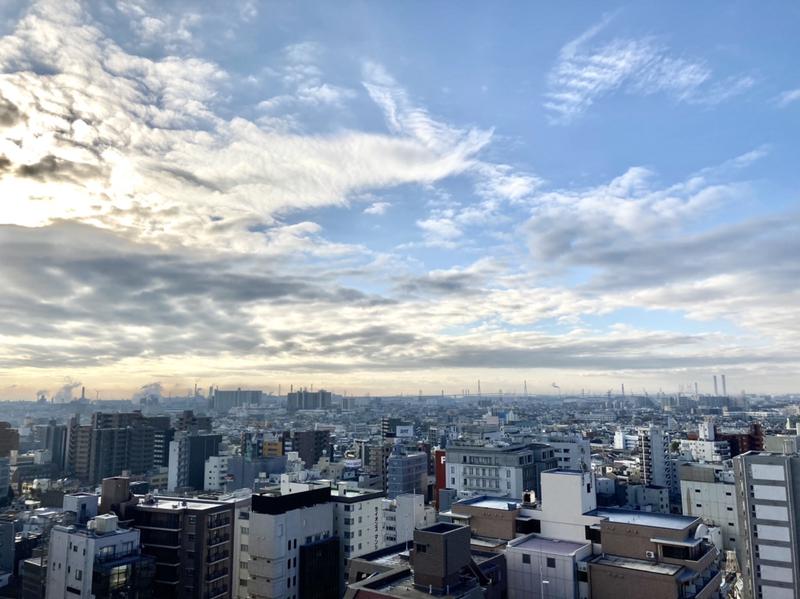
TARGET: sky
(383,198)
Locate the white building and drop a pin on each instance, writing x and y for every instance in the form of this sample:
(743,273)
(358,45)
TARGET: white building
(402,515)
(284,530)
(539,567)
(705,451)
(564,515)
(572,451)
(99,554)
(216,472)
(708,491)
(625,441)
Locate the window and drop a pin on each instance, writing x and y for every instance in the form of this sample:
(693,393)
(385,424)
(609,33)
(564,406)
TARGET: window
(583,576)
(245,548)
(526,559)
(78,574)
(551,562)
(119,577)
(420,548)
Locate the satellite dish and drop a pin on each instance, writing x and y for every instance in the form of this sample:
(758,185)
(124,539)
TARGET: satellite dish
(701,532)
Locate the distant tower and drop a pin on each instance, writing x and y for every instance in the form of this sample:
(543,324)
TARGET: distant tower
(696,394)
(716,392)
(83,393)
(724,387)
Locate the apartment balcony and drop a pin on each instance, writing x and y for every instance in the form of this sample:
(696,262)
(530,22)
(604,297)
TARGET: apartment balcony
(217,557)
(218,575)
(218,540)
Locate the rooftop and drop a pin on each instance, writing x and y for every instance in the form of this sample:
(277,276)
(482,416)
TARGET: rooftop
(637,564)
(177,504)
(495,503)
(651,519)
(545,545)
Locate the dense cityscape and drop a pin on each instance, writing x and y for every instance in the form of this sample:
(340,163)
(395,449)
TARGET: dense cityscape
(239,493)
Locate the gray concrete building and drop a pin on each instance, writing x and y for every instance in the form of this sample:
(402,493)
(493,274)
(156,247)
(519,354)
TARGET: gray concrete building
(767,492)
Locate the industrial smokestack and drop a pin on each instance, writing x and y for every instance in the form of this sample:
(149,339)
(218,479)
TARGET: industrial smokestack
(716,392)
(83,393)
(724,387)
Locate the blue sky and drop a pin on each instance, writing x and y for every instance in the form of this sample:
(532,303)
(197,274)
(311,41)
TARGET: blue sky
(391,196)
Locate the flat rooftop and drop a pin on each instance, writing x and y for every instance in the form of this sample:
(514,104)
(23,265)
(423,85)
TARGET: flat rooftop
(177,504)
(637,564)
(495,503)
(551,546)
(651,519)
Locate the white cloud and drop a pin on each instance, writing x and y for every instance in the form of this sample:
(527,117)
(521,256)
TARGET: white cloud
(167,167)
(377,208)
(586,71)
(788,97)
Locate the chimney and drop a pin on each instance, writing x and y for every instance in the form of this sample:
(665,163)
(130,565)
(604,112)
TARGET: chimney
(716,391)
(724,387)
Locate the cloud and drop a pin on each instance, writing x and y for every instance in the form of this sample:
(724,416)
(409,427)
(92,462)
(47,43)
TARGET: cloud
(587,70)
(161,160)
(377,208)
(788,97)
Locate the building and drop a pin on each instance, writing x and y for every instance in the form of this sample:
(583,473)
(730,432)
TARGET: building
(97,561)
(9,439)
(223,401)
(191,541)
(625,441)
(571,450)
(647,498)
(654,453)
(310,445)
(402,515)
(124,441)
(498,470)
(188,453)
(665,554)
(487,517)
(79,442)
(540,568)
(357,517)
(767,492)
(216,473)
(33,578)
(293,553)
(308,400)
(708,491)
(440,562)
(406,472)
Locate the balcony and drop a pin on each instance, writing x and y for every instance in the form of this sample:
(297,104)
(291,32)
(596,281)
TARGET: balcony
(218,540)
(217,557)
(218,575)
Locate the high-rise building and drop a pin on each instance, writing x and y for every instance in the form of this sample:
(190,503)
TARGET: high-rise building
(188,453)
(654,453)
(767,496)
(308,400)
(9,439)
(310,445)
(192,543)
(293,552)
(79,443)
(99,560)
(406,472)
(224,400)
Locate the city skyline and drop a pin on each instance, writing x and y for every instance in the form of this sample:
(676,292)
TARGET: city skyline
(385,198)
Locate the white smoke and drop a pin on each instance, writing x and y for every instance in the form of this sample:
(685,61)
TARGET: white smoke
(64,395)
(147,391)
